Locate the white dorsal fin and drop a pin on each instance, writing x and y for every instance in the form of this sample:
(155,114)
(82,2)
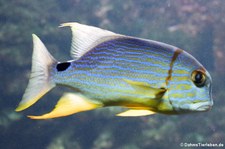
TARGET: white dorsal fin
(85,37)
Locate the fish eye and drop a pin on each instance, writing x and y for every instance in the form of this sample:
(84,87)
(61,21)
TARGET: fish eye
(199,78)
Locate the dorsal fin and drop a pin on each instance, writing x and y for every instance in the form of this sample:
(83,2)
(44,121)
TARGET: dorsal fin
(85,37)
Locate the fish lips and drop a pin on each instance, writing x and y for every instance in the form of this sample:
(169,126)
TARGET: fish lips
(202,106)
(196,107)
(207,105)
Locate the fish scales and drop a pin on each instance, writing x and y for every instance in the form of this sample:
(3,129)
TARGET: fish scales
(107,70)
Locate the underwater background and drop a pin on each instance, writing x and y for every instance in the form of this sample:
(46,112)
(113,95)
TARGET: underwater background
(197,26)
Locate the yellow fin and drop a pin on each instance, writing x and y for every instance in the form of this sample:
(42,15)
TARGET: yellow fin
(133,113)
(69,104)
(145,88)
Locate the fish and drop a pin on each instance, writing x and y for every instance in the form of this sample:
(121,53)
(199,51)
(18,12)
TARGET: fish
(142,76)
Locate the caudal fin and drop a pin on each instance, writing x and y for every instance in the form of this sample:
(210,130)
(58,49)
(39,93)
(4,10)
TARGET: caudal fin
(40,82)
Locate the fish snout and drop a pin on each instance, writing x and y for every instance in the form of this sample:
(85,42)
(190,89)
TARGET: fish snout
(206,106)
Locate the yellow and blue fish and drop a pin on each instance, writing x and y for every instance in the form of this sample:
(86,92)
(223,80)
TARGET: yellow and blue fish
(110,69)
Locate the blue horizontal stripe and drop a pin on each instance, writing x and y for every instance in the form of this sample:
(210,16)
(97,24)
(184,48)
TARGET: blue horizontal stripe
(129,51)
(87,84)
(179,82)
(141,57)
(102,76)
(130,70)
(121,61)
(182,91)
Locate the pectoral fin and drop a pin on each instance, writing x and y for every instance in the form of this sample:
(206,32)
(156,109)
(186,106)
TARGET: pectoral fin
(133,113)
(69,104)
(147,89)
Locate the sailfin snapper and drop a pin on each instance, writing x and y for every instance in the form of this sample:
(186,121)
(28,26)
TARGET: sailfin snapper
(110,69)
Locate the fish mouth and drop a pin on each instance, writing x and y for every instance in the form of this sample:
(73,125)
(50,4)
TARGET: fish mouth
(204,106)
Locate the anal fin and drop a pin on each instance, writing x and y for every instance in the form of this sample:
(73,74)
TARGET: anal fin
(133,113)
(69,104)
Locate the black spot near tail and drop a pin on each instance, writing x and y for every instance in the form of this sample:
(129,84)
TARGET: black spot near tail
(63,66)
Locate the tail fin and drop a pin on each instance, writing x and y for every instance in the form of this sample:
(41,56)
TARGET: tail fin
(40,82)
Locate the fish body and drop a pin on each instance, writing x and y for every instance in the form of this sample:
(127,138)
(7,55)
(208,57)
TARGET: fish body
(110,69)
(100,74)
